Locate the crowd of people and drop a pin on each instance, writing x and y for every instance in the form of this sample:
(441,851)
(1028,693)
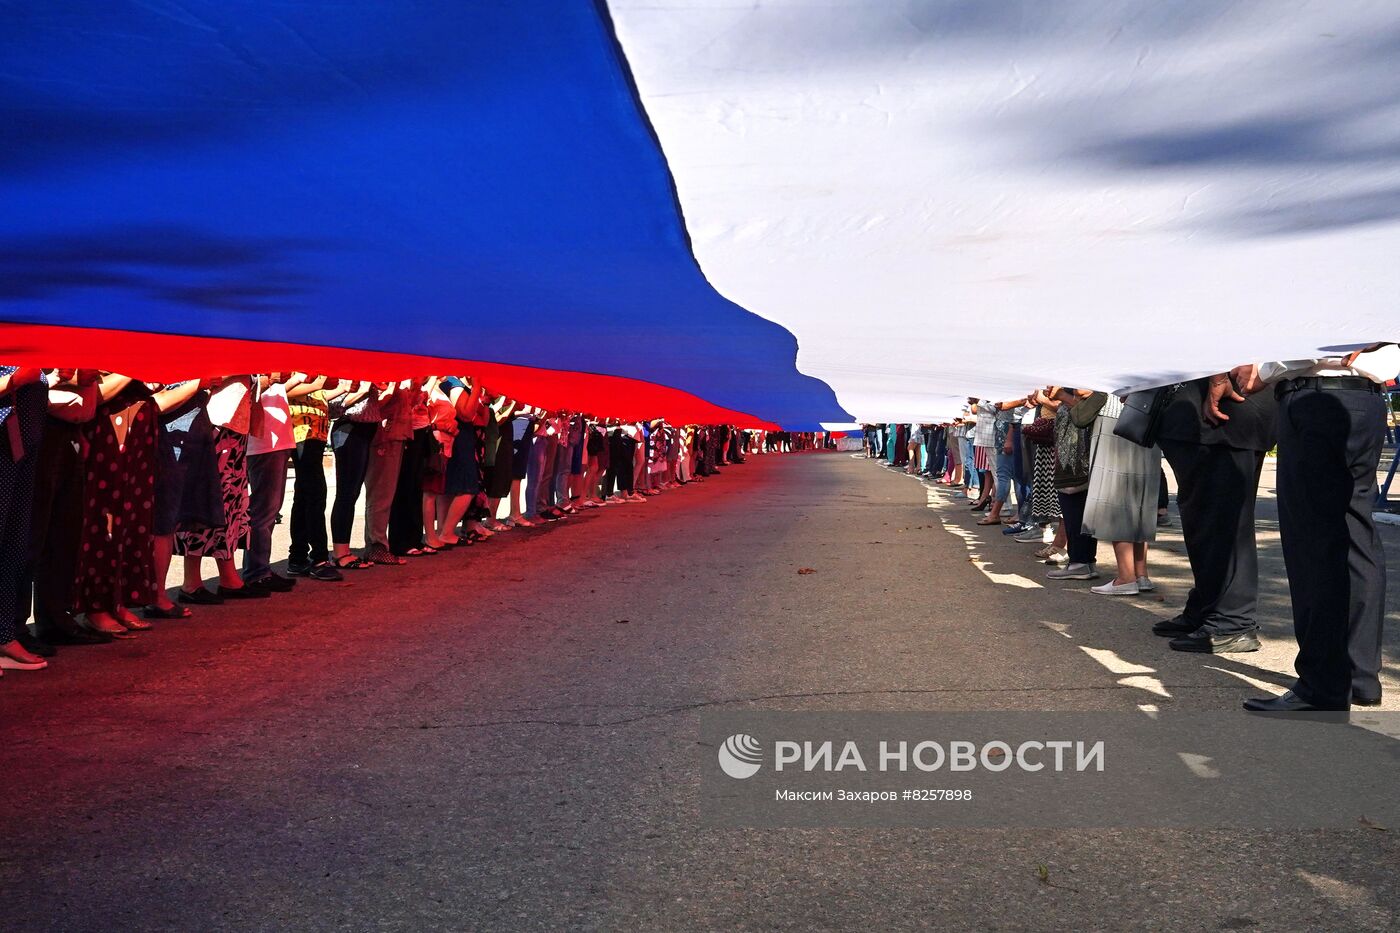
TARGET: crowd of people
(1049,470)
(105,480)
(1052,470)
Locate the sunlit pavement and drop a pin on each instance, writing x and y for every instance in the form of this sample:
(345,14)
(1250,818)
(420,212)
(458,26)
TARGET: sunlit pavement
(506,736)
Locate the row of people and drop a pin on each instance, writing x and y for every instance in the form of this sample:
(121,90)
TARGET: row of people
(1053,469)
(105,480)
(1050,470)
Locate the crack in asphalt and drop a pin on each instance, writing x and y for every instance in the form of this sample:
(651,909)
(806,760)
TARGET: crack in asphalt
(730,701)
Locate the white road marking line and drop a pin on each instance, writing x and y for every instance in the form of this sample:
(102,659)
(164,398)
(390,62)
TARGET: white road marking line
(1114,663)
(970,541)
(1200,765)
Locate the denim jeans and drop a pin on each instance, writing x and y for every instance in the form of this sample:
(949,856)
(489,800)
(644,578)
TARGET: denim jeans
(970,474)
(562,462)
(267,478)
(535,473)
(1006,469)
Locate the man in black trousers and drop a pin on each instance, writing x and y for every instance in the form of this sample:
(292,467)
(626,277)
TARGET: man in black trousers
(1331,424)
(1216,449)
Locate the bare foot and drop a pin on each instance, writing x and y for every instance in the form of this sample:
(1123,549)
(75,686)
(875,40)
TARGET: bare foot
(131,620)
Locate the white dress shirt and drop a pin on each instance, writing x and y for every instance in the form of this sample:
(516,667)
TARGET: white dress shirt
(1378,365)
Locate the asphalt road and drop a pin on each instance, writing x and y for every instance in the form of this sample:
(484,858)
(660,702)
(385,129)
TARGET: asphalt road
(505,737)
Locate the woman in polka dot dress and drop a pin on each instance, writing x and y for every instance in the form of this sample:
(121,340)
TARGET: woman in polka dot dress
(116,561)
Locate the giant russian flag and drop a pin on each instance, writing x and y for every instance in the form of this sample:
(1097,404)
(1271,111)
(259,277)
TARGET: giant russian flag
(634,206)
(430,185)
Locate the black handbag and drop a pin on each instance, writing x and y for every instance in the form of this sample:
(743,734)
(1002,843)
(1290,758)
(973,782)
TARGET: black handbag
(1141,418)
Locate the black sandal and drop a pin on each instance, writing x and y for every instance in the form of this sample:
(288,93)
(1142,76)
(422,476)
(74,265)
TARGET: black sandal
(350,562)
(174,612)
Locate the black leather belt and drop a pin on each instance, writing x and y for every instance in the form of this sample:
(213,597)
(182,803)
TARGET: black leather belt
(1328,383)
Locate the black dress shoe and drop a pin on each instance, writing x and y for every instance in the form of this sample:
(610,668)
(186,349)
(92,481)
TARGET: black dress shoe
(1177,625)
(1202,641)
(34,645)
(1290,702)
(199,597)
(1359,700)
(243,592)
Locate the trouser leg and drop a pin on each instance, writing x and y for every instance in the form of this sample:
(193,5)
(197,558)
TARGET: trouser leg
(267,481)
(1329,447)
(406,509)
(381,479)
(1216,488)
(1083,549)
(308,520)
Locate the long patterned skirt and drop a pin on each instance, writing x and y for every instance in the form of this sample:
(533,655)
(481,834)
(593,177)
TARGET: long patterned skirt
(1045,504)
(231,449)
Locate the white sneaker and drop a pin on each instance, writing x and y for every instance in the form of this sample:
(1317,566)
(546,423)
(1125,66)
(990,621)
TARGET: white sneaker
(1145,585)
(1074,572)
(1115,589)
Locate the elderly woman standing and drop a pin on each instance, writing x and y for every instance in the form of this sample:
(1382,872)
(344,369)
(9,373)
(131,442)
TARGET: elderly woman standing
(1122,505)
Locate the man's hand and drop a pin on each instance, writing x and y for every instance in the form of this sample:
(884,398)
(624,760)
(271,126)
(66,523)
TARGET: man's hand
(1350,359)
(1219,388)
(1246,379)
